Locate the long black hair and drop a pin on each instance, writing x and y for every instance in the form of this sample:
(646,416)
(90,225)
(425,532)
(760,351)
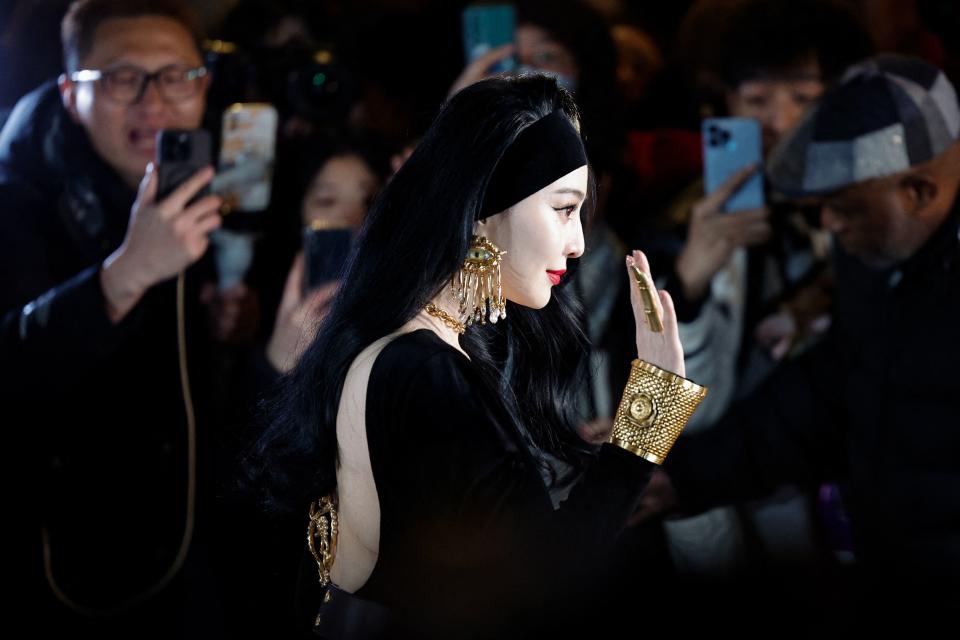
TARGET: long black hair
(413,241)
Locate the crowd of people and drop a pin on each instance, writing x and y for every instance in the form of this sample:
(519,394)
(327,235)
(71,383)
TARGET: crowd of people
(173,425)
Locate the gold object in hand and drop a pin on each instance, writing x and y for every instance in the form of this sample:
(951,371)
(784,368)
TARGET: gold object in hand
(649,304)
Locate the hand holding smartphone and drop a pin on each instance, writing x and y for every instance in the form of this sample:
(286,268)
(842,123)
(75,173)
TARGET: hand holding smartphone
(733,183)
(180,154)
(486,27)
(729,146)
(169,228)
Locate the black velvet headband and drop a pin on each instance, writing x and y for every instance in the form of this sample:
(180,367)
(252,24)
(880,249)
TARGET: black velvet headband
(544,152)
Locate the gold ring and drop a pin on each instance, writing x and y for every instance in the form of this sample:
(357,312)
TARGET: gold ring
(649,305)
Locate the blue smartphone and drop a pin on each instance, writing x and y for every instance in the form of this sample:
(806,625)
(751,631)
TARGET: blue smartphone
(730,144)
(487,27)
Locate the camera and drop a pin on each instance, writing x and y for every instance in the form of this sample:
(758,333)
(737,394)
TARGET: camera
(717,136)
(177,147)
(296,79)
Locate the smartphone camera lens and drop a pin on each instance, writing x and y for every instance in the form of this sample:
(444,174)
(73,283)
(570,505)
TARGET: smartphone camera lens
(176,147)
(182,147)
(717,137)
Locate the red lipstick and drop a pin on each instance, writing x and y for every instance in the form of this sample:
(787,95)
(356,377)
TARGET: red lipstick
(555,275)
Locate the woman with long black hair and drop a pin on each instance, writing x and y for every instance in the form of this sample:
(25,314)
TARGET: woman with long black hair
(430,426)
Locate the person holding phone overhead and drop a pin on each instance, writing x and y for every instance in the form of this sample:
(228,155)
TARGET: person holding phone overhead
(90,361)
(570,43)
(746,256)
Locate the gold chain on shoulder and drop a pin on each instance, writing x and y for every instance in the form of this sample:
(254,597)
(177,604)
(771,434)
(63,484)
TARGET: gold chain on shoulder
(445,317)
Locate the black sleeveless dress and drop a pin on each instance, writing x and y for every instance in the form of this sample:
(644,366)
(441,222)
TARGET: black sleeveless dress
(470,542)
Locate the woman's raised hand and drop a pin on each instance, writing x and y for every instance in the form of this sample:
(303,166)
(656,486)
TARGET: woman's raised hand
(656,320)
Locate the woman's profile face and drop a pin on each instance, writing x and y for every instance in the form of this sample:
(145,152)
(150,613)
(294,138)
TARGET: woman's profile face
(539,234)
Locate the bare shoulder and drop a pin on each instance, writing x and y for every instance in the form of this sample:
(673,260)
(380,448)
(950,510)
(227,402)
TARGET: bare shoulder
(352,409)
(359,541)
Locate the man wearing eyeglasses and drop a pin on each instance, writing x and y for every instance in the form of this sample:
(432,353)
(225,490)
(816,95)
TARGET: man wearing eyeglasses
(112,480)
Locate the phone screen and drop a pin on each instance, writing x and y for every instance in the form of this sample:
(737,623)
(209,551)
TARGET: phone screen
(487,27)
(325,252)
(247,151)
(729,145)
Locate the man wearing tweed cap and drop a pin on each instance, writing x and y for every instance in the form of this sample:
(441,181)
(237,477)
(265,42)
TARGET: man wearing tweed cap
(876,405)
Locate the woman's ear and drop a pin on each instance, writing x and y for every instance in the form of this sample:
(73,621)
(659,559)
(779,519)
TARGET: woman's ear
(68,95)
(921,191)
(480,228)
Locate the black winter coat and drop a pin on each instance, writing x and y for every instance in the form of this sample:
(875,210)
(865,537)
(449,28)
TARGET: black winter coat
(96,411)
(876,406)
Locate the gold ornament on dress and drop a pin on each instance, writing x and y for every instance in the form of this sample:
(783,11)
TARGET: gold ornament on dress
(655,408)
(322,536)
(477,285)
(445,317)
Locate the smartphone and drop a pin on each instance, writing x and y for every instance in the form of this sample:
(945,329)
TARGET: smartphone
(325,252)
(486,27)
(730,144)
(247,151)
(180,154)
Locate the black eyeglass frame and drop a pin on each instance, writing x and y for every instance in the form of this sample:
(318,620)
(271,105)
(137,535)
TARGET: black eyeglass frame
(99,75)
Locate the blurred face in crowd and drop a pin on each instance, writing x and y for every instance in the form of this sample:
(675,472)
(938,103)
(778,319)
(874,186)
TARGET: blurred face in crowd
(777,101)
(340,193)
(537,48)
(123,132)
(539,233)
(886,220)
(638,60)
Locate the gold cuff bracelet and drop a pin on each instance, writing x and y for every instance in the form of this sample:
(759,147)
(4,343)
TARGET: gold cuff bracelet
(656,405)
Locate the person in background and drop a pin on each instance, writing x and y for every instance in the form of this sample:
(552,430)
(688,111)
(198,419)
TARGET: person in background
(753,285)
(875,404)
(338,195)
(100,360)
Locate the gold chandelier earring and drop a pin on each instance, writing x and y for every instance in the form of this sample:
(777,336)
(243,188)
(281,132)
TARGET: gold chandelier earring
(477,285)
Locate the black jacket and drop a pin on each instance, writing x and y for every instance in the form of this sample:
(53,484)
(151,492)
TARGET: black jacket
(875,406)
(96,410)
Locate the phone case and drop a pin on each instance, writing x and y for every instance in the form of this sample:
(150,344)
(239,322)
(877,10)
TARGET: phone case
(325,252)
(247,151)
(180,154)
(487,27)
(729,144)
